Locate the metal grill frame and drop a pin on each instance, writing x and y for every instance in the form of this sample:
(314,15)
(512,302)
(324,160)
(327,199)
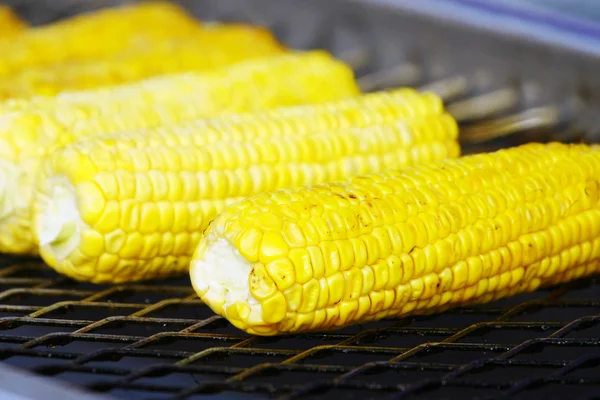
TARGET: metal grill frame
(157,340)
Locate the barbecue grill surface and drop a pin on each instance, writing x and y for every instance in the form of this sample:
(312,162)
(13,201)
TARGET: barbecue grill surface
(156,340)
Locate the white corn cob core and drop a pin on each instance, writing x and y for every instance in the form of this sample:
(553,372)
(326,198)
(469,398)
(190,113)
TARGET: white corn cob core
(223,273)
(60,226)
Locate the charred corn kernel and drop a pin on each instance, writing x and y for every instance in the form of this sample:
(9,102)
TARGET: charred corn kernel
(333,140)
(211,47)
(94,35)
(10,23)
(532,250)
(28,135)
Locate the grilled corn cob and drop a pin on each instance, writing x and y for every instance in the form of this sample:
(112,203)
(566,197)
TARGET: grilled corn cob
(94,35)
(415,241)
(10,23)
(212,47)
(26,136)
(117,209)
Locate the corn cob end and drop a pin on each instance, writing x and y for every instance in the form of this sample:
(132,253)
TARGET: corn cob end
(58,227)
(221,277)
(73,222)
(18,166)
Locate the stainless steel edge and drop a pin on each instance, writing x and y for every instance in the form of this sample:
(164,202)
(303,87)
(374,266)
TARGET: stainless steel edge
(18,384)
(497,23)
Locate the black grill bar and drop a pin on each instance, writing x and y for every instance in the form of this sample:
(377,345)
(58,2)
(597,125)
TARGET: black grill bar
(157,340)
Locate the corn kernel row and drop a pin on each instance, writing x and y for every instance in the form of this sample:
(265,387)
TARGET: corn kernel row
(414,241)
(211,47)
(77,38)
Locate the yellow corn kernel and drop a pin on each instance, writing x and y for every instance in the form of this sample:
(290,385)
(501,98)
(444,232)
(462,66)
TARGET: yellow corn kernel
(76,38)
(335,139)
(401,280)
(209,48)
(28,135)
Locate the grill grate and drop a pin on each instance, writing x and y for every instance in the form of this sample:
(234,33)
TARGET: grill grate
(157,340)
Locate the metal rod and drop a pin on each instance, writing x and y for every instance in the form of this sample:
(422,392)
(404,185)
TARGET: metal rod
(449,88)
(484,105)
(356,58)
(541,117)
(401,75)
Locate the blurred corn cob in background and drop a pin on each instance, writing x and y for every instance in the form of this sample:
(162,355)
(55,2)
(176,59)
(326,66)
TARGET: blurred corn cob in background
(418,240)
(211,47)
(94,35)
(51,122)
(288,78)
(134,205)
(10,23)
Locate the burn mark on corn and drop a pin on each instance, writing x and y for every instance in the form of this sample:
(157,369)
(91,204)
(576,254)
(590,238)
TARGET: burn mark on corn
(361,221)
(253,279)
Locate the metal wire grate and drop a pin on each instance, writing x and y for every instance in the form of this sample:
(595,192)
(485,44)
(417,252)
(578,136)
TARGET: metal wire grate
(159,341)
